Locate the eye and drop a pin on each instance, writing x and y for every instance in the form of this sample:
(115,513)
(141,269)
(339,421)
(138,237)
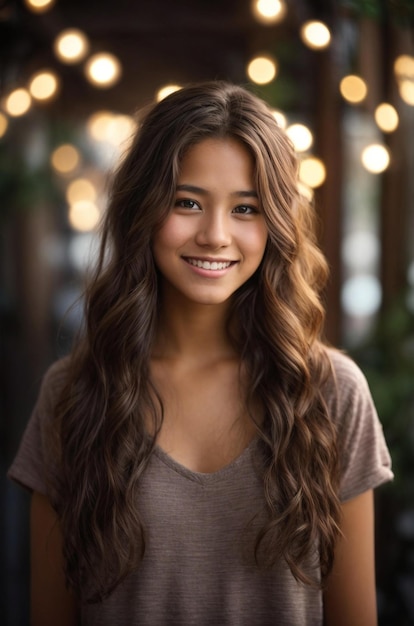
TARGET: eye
(245,209)
(185,203)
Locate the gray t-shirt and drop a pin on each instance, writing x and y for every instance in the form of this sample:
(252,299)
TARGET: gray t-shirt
(198,568)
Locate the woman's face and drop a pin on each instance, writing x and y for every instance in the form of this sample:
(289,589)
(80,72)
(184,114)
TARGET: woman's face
(215,235)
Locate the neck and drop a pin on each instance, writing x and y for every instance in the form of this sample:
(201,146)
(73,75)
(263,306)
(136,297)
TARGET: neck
(193,331)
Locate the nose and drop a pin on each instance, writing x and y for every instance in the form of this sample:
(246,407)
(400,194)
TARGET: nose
(214,230)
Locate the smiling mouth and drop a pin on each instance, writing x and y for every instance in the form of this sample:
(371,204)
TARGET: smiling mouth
(209,265)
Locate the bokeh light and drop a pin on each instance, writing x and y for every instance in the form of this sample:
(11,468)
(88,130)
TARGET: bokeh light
(406,89)
(280,118)
(44,85)
(360,250)
(262,69)
(315,35)
(65,158)
(300,136)
(18,102)
(83,215)
(103,70)
(361,295)
(404,66)
(353,89)
(39,6)
(71,46)
(375,158)
(312,172)
(110,127)
(386,117)
(269,11)
(165,91)
(80,189)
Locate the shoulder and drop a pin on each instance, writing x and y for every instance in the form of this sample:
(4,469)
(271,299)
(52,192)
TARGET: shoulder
(346,388)
(345,370)
(364,457)
(53,381)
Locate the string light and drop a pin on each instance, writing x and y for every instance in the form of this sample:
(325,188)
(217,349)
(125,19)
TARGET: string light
(300,136)
(110,127)
(375,158)
(386,117)
(315,35)
(269,11)
(262,69)
(80,189)
(44,85)
(312,172)
(353,89)
(18,102)
(404,66)
(71,46)
(65,158)
(103,70)
(39,6)
(83,215)
(165,91)
(406,89)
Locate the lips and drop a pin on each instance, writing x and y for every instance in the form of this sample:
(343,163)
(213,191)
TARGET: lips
(208,265)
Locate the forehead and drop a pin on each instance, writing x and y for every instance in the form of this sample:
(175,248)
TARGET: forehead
(217,158)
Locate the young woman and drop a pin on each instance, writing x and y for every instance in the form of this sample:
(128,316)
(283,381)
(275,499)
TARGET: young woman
(201,457)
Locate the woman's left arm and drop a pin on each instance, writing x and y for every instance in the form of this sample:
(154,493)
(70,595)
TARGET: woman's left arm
(350,594)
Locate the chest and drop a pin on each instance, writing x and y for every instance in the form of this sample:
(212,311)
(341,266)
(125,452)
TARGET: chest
(206,424)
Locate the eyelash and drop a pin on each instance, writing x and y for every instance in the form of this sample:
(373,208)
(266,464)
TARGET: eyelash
(181,203)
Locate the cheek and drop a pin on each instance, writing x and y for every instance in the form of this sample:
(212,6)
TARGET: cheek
(169,235)
(257,240)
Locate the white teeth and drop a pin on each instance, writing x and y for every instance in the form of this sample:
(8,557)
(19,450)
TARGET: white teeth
(207,265)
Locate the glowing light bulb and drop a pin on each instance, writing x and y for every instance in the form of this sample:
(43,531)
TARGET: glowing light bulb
(262,70)
(269,11)
(406,89)
(80,189)
(300,136)
(71,46)
(404,66)
(353,89)
(103,70)
(18,102)
(165,91)
(83,215)
(280,118)
(39,6)
(315,35)
(386,117)
(375,158)
(65,158)
(44,85)
(312,172)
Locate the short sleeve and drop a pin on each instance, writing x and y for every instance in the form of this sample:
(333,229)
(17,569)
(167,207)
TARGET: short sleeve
(364,457)
(31,466)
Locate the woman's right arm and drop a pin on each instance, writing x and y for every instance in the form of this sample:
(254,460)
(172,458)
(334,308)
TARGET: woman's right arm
(51,602)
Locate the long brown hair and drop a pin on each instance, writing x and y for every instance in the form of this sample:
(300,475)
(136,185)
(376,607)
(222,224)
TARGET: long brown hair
(102,443)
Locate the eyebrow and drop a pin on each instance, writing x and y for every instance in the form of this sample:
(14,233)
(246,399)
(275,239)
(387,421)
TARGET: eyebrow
(248,193)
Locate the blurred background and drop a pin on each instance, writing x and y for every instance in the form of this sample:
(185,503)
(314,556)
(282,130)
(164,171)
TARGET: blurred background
(340,78)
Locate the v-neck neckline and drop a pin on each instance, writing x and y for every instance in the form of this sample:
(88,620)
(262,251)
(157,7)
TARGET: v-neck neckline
(206,478)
